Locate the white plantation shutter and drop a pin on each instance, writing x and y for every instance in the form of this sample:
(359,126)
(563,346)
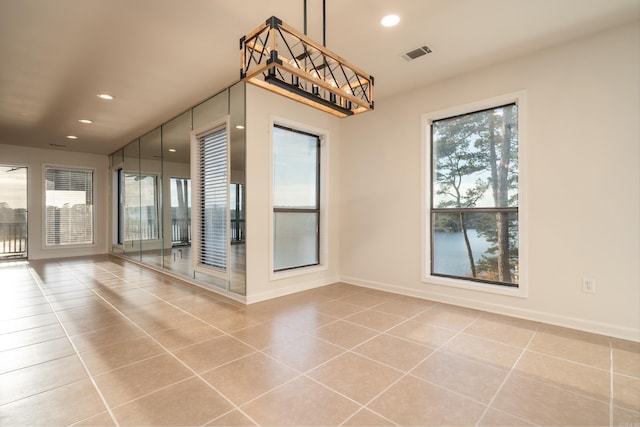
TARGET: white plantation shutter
(212,180)
(68,206)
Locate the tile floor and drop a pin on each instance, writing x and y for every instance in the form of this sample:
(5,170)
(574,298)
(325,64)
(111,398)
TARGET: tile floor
(100,341)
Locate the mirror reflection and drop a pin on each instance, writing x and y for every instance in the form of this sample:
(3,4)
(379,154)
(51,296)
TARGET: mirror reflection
(152,193)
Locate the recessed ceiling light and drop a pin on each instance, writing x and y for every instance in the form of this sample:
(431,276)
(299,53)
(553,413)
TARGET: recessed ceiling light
(173,150)
(86,121)
(390,20)
(105,96)
(72,137)
(239,127)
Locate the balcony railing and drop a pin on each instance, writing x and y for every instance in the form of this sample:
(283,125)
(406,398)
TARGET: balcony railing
(13,239)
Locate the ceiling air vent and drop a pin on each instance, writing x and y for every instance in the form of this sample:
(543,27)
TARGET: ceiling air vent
(416,53)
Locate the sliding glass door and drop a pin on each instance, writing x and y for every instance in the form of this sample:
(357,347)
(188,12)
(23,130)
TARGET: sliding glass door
(13,212)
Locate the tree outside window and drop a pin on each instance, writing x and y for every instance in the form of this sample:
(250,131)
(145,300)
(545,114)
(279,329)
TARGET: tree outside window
(474,197)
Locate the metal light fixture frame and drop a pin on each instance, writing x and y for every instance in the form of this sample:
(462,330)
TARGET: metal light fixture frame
(278,58)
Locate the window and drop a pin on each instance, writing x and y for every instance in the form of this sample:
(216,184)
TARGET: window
(68,206)
(474,230)
(140,207)
(296,199)
(180,211)
(211,188)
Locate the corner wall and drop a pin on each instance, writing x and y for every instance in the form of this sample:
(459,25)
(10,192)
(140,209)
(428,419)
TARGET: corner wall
(263,106)
(582,175)
(34,159)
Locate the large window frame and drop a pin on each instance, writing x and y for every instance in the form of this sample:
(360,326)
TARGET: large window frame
(65,197)
(491,286)
(320,209)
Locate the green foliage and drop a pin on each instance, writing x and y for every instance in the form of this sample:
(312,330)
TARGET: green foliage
(475,164)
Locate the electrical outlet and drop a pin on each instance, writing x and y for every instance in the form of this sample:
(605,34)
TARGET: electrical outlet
(589,285)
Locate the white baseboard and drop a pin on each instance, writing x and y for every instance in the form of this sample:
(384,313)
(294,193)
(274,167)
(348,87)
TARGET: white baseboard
(600,328)
(298,287)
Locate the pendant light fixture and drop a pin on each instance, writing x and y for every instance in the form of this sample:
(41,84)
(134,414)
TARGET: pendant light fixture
(278,58)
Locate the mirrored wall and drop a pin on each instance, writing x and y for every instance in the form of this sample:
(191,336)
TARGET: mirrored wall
(152,194)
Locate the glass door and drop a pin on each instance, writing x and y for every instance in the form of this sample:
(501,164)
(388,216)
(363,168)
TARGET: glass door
(13,212)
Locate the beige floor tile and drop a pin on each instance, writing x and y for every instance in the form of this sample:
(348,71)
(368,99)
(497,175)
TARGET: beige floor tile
(232,419)
(413,402)
(103,337)
(401,308)
(31,336)
(81,292)
(593,382)
(626,357)
(494,418)
(344,334)
(476,380)
(91,301)
(364,300)
(33,354)
(60,406)
(13,312)
(301,402)
(365,418)
(213,353)
(267,334)
(249,377)
(304,353)
(132,381)
(161,321)
(36,379)
(103,419)
(503,329)
(356,377)
(19,302)
(524,398)
(626,392)
(623,417)
(188,403)
(423,333)
(306,318)
(395,352)
(99,320)
(234,321)
(482,350)
(186,334)
(338,290)
(85,312)
(338,309)
(577,346)
(448,316)
(374,320)
(24,323)
(117,355)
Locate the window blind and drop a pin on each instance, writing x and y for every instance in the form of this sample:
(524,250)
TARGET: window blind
(213,194)
(68,206)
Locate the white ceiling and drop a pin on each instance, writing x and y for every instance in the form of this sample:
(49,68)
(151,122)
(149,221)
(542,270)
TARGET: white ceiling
(160,57)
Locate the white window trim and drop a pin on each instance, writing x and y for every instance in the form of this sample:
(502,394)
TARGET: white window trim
(522,291)
(323,264)
(47,247)
(195,201)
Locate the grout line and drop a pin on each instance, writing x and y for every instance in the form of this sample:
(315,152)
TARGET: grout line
(196,374)
(506,378)
(84,365)
(610,383)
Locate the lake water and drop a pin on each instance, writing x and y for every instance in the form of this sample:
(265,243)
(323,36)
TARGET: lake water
(451,253)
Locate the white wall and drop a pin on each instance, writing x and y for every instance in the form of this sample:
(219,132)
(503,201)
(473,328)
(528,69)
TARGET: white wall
(262,108)
(583,184)
(34,159)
